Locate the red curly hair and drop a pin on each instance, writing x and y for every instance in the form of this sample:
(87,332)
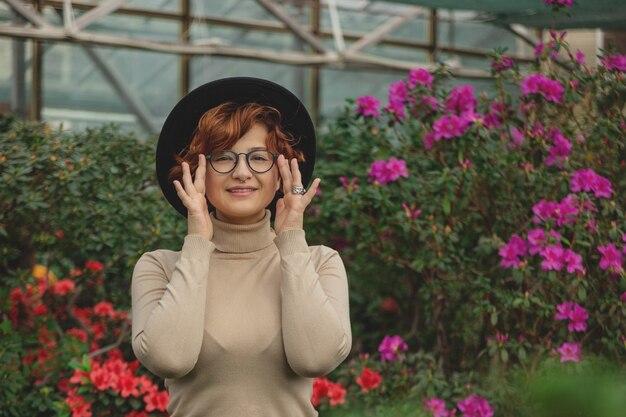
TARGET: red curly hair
(222,126)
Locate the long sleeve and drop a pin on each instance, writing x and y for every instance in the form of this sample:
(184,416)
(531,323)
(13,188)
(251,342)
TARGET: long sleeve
(168,311)
(315,311)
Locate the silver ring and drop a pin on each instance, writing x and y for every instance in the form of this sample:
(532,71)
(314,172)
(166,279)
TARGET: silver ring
(296,189)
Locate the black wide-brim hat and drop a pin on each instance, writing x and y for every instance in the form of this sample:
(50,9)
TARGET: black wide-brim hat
(182,121)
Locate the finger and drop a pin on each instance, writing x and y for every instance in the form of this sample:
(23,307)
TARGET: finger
(285,174)
(295,173)
(189,188)
(313,189)
(200,174)
(181,192)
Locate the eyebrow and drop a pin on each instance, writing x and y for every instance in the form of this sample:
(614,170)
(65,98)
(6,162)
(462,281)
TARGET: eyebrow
(258,148)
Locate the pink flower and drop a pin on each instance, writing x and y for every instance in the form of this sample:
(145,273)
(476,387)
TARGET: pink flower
(461,99)
(517,136)
(577,315)
(566,211)
(420,76)
(544,210)
(384,172)
(391,347)
(623,297)
(502,64)
(614,62)
(437,407)
(475,406)
(580,57)
(611,258)
(552,258)
(511,252)
(411,213)
(561,149)
(551,90)
(502,338)
(449,127)
(570,352)
(573,262)
(368,106)
(559,3)
(349,184)
(537,239)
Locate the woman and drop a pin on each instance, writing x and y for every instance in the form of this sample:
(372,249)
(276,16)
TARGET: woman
(243,317)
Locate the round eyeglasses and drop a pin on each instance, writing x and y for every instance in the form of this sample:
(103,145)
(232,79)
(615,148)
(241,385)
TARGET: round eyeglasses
(259,161)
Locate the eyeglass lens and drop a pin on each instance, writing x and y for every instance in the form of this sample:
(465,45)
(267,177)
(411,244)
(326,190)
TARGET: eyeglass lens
(225,161)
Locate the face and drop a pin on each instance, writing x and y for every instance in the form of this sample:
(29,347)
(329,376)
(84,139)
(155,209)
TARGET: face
(240,197)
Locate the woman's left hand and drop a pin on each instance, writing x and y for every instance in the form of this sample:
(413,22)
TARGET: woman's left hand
(290,208)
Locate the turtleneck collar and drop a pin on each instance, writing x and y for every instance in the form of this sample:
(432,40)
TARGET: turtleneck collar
(241,238)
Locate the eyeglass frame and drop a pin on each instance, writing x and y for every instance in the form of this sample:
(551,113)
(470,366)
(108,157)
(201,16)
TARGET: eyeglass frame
(247,159)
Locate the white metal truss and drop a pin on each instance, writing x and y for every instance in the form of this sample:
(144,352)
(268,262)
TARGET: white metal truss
(76,30)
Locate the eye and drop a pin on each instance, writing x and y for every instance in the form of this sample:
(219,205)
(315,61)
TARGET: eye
(222,157)
(260,156)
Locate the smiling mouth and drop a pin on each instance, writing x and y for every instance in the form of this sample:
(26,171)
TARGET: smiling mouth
(241,190)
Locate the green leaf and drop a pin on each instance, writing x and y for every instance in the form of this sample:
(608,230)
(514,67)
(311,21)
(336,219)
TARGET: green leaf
(446,205)
(582,293)
(494,318)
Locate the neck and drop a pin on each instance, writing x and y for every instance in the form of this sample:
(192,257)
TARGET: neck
(240,238)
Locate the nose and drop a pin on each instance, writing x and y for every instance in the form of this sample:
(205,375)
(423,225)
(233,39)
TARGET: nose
(241,171)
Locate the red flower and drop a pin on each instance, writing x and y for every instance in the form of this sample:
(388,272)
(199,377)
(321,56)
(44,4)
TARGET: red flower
(63,287)
(336,393)
(156,400)
(78,405)
(79,334)
(320,390)
(105,309)
(368,380)
(79,377)
(389,305)
(323,388)
(127,385)
(94,266)
(146,385)
(59,234)
(101,379)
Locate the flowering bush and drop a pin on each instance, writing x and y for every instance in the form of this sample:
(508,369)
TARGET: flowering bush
(493,221)
(46,326)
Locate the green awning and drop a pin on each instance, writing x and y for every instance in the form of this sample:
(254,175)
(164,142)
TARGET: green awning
(603,14)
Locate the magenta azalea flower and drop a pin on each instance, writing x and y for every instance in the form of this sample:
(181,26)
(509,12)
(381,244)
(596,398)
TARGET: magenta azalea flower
(577,315)
(566,211)
(384,172)
(502,64)
(614,62)
(510,253)
(552,258)
(559,3)
(437,407)
(544,210)
(368,106)
(560,150)
(587,180)
(580,57)
(449,127)
(611,258)
(419,76)
(461,99)
(391,347)
(623,297)
(475,406)
(573,262)
(570,352)
(551,90)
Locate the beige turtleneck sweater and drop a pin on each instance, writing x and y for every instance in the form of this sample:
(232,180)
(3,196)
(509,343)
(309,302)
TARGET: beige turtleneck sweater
(240,324)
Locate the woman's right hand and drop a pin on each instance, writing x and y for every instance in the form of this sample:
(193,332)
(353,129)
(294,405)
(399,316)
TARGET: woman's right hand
(193,197)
